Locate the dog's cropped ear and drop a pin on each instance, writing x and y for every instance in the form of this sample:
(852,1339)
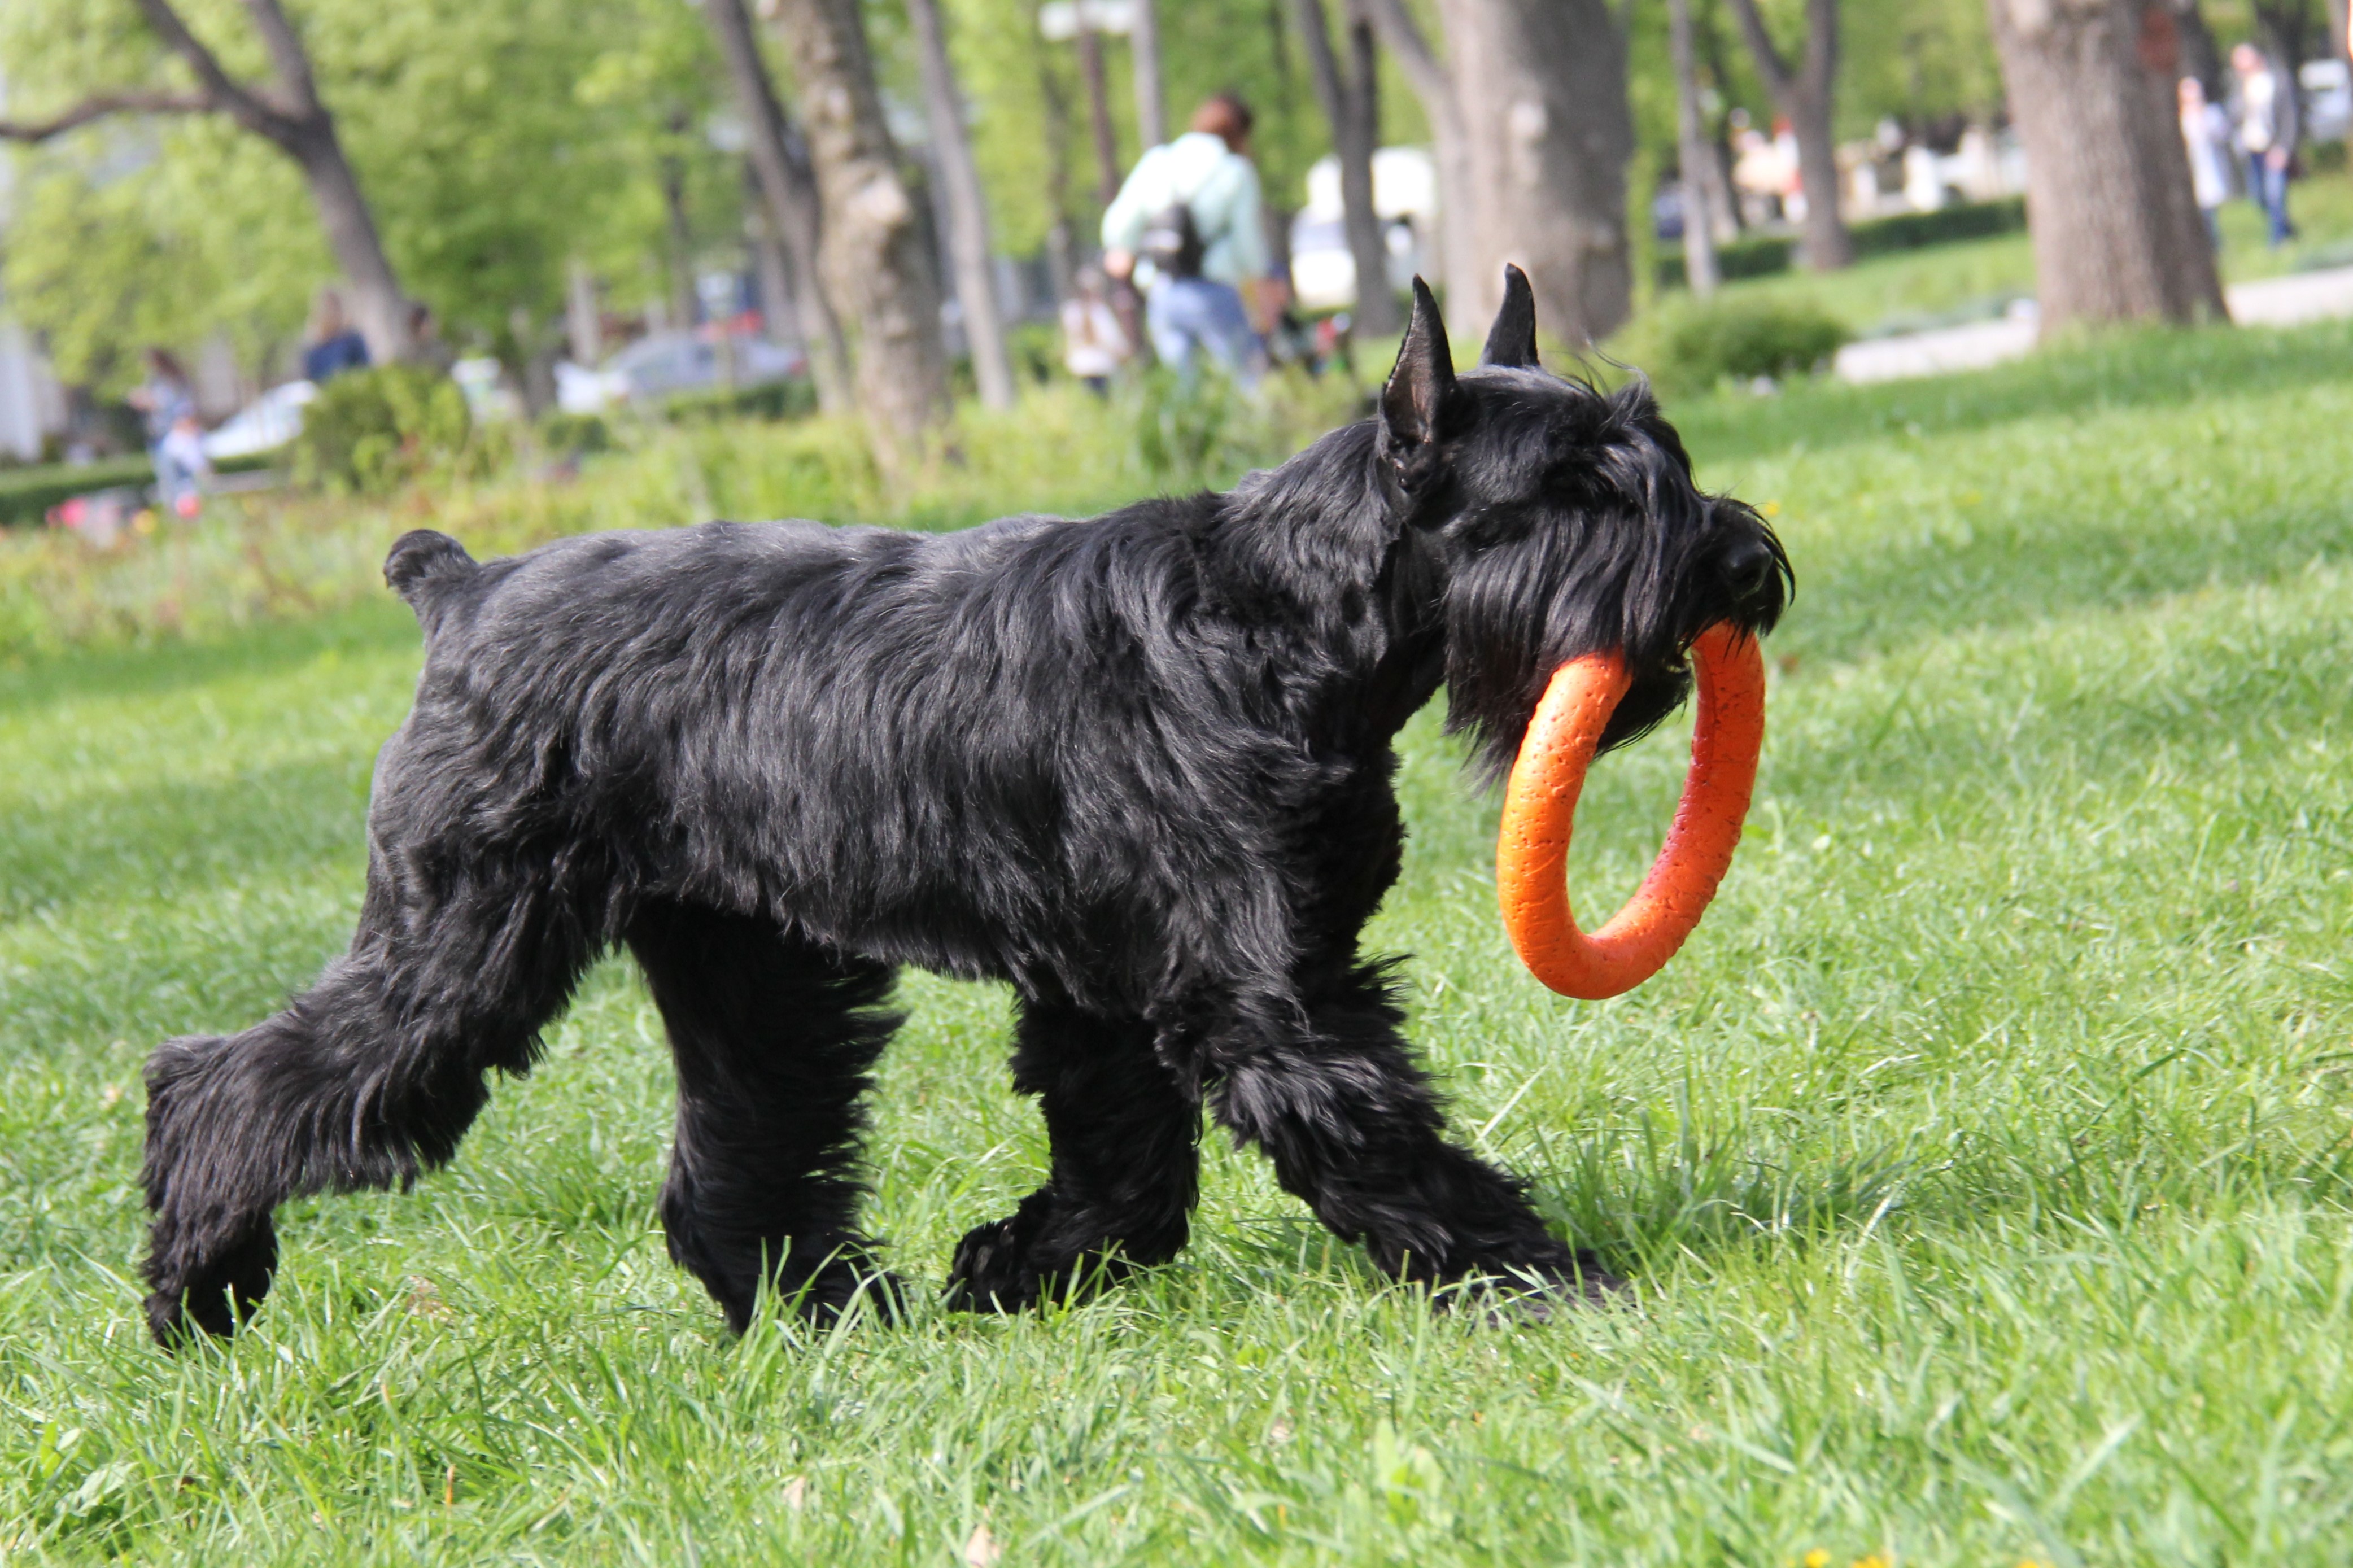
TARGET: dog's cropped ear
(1512,341)
(1417,393)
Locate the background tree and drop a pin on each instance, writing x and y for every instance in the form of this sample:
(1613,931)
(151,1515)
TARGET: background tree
(1806,93)
(1694,155)
(779,160)
(2116,231)
(1456,252)
(976,266)
(877,257)
(287,112)
(1351,98)
(1540,86)
(1144,55)
(593,98)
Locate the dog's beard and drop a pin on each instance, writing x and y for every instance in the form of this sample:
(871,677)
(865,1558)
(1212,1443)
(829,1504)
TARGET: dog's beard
(1517,613)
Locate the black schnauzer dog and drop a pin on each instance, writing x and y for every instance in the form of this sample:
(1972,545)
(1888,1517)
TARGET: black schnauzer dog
(1139,767)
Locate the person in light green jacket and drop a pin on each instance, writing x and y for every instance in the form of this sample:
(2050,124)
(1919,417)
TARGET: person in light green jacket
(1187,228)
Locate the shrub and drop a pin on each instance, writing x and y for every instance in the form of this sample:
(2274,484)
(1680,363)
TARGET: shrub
(1695,344)
(794,398)
(27,494)
(371,431)
(576,433)
(1761,256)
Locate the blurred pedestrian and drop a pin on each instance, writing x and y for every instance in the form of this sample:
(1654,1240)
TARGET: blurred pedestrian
(426,346)
(2268,129)
(335,346)
(163,399)
(182,468)
(2206,137)
(1187,227)
(1093,345)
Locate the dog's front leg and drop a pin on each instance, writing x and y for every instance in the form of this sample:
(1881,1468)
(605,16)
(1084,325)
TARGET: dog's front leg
(1353,1130)
(1125,1173)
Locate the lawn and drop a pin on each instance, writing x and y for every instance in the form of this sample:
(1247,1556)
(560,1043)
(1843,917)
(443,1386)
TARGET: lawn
(1909,291)
(1983,1164)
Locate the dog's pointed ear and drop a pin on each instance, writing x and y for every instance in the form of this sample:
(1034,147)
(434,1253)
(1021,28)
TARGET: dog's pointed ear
(1418,390)
(1512,341)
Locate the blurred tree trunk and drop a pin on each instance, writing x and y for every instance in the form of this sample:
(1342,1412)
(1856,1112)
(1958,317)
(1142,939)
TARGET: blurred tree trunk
(287,113)
(1061,244)
(789,191)
(1540,86)
(2116,231)
(1143,56)
(1455,256)
(1352,104)
(677,230)
(875,259)
(2200,56)
(975,269)
(1693,154)
(1728,220)
(1091,67)
(1806,93)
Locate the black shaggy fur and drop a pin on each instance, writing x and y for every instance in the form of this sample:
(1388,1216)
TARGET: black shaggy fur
(1138,767)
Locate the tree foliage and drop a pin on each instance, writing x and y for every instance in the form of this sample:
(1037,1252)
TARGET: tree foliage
(495,139)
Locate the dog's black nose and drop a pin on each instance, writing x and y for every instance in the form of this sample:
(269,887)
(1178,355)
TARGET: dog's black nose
(1748,569)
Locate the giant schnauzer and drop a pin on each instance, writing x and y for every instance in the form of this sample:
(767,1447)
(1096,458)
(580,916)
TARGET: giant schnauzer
(1138,767)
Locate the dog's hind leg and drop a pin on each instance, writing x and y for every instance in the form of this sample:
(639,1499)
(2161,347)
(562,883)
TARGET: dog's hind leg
(773,1037)
(369,1077)
(1353,1130)
(1125,1166)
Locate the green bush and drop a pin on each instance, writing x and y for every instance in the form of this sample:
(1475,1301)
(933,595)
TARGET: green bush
(1761,256)
(791,399)
(371,431)
(27,494)
(1692,345)
(1917,231)
(576,433)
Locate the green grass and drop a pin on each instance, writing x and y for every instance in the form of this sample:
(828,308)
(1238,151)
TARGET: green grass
(1984,1163)
(1947,283)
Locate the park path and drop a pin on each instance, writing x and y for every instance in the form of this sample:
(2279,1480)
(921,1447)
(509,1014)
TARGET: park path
(2266,302)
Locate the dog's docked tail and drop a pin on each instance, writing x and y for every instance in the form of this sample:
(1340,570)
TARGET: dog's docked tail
(423,565)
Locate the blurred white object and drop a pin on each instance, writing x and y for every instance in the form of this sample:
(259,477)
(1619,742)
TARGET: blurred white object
(1058,20)
(1405,198)
(488,397)
(2328,99)
(661,363)
(265,424)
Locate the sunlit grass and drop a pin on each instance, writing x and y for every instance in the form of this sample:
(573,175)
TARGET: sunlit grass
(1983,1164)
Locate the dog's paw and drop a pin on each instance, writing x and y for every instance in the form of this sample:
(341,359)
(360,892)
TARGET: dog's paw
(213,1297)
(1508,1297)
(1004,1267)
(846,1285)
(992,1272)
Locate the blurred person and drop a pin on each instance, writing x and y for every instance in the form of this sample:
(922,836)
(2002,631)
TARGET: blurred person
(335,346)
(182,469)
(2206,137)
(2268,127)
(426,346)
(1093,344)
(162,399)
(1189,215)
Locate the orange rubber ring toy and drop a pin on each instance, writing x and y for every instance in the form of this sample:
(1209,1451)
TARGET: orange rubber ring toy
(1540,807)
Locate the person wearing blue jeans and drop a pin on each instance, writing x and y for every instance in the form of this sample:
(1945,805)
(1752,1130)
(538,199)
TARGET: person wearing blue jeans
(1189,317)
(1209,292)
(2267,134)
